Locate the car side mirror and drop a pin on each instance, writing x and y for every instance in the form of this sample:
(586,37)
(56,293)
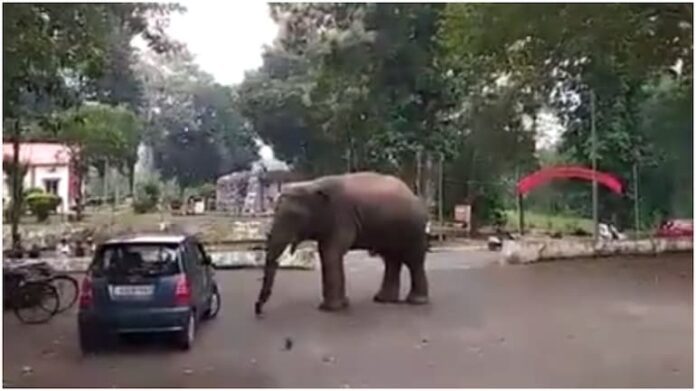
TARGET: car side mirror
(207,260)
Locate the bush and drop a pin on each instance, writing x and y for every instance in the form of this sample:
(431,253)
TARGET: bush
(32,190)
(143,205)
(42,204)
(175,204)
(147,198)
(207,190)
(152,192)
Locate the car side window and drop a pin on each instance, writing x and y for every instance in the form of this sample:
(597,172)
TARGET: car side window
(201,250)
(196,254)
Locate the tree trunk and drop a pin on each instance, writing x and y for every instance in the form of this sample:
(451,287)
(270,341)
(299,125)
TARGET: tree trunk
(16,210)
(131,178)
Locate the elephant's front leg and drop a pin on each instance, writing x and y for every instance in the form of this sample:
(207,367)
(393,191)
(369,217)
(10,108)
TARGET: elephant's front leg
(333,279)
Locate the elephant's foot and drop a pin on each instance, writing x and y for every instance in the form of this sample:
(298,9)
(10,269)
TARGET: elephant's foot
(334,305)
(383,297)
(417,299)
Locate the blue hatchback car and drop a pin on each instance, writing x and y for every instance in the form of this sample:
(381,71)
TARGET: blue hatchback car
(144,284)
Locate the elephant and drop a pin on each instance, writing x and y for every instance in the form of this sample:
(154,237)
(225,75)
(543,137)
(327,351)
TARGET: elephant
(363,210)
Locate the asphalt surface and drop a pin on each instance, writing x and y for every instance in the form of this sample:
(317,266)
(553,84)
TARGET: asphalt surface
(600,323)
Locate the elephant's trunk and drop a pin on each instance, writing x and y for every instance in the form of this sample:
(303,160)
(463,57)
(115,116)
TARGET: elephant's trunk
(273,252)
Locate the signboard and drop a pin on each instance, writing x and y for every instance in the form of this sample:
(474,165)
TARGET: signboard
(462,214)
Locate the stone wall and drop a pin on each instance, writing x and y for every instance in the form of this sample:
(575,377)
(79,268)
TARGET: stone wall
(304,259)
(528,251)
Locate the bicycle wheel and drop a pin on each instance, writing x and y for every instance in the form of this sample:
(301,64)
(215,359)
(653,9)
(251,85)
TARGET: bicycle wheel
(68,290)
(36,302)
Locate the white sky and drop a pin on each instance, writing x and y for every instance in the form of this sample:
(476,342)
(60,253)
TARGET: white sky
(227,37)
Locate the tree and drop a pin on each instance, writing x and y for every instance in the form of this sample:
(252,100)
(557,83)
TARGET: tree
(193,124)
(53,48)
(98,136)
(559,53)
(350,87)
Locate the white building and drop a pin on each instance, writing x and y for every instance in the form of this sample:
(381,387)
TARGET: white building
(49,168)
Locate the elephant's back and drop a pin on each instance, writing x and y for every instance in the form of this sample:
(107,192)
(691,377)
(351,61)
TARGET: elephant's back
(385,204)
(370,184)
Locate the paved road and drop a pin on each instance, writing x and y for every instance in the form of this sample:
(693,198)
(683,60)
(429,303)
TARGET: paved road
(608,323)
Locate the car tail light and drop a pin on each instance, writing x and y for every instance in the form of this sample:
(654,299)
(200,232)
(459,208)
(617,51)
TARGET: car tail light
(182,294)
(86,292)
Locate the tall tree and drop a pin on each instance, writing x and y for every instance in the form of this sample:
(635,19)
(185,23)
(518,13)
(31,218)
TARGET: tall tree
(561,52)
(51,49)
(193,123)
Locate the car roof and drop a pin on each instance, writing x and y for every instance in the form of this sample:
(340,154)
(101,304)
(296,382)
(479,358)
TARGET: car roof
(141,238)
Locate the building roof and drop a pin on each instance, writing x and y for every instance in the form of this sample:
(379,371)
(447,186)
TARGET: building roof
(38,153)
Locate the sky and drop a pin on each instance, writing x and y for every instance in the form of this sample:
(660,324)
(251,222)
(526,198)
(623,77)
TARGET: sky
(227,39)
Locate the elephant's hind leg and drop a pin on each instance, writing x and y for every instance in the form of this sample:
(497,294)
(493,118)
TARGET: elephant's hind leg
(389,291)
(415,261)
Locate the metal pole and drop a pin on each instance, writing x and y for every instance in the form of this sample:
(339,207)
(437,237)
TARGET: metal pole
(520,213)
(595,211)
(418,172)
(15,211)
(636,208)
(105,184)
(440,196)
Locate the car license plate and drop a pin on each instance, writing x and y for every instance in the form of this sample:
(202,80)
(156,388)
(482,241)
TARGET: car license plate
(131,291)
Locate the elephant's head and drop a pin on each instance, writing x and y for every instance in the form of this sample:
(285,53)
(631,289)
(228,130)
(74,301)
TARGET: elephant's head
(300,214)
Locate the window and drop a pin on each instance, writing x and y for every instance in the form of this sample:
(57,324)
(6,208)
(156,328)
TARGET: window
(51,186)
(196,253)
(137,260)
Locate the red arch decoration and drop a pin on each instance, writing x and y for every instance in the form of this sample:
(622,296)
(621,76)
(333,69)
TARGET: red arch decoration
(526,184)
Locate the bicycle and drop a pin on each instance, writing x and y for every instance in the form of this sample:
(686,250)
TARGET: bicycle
(67,287)
(33,301)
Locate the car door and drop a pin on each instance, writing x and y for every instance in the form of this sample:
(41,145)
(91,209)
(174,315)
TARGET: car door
(208,270)
(197,268)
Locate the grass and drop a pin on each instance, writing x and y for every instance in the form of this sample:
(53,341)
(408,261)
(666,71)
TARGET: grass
(548,222)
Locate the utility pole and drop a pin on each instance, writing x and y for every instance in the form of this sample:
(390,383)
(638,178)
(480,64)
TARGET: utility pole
(105,184)
(439,194)
(636,208)
(595,211)
(16,209)
(418,172)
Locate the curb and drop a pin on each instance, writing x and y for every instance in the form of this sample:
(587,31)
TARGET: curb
(521,252)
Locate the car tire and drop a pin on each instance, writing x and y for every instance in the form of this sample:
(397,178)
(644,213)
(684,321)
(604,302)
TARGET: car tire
(213,305)
(90,342)
(186,336)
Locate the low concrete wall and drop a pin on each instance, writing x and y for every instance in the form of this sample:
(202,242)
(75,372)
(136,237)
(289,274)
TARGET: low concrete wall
(528,251)
(304,258)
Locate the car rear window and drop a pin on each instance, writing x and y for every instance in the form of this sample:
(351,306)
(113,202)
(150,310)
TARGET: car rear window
(137,260)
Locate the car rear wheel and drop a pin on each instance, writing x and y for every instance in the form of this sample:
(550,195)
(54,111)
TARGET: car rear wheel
(213,305)
(89,340)
(186,336)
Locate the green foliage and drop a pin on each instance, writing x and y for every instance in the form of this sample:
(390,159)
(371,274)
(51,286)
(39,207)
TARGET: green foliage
(207,190)
(362,87)
(557,53)
(98,135)
(147,197)
(53,46)
(194,127)
(42,204)
(32,190)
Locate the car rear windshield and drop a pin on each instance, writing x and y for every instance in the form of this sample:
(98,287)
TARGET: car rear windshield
(137,260)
